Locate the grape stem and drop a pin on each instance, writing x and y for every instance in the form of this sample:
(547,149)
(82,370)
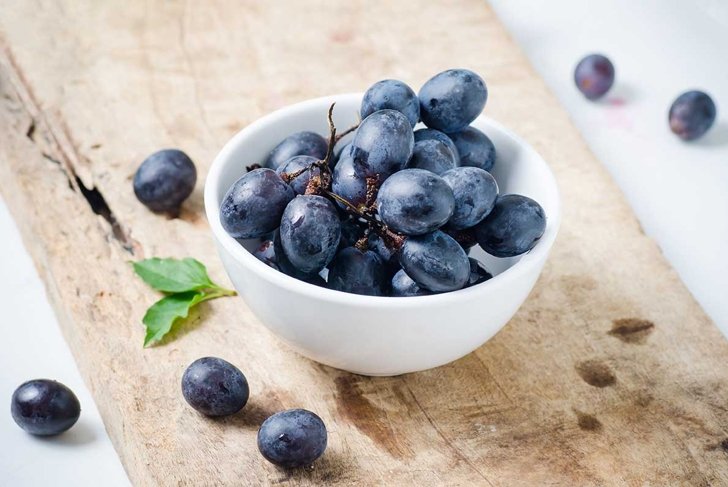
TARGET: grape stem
(321,184)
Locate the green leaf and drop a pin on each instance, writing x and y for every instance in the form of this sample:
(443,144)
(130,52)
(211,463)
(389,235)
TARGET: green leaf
(174,275)
(160,317)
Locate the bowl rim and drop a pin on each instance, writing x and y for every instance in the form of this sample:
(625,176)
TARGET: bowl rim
(525,265)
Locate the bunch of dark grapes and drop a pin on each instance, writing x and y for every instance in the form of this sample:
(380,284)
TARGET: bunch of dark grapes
(396,210)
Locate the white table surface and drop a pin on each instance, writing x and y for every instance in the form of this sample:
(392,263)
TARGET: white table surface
(679,192)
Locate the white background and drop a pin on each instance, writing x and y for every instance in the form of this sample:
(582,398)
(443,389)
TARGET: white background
(678,190)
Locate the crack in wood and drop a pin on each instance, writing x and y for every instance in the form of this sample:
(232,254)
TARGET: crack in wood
(40,131)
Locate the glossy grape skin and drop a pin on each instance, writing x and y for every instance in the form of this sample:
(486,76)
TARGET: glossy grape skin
(594,76)
(271,254)
(475,148)
(310,232)
(403,285)
(276,258)
(298,144)
(340,154)
(692,114)
(432,155)
(513,227)
(382,144)
(293,438)
(392,94)
(478,273)
(44,407)
(347,183)
(164,180)
(295,164)
(451,100)
(475,192)
(358,272)
(415,202)
(432,134)
(214,387)
(435,261)
(254,204)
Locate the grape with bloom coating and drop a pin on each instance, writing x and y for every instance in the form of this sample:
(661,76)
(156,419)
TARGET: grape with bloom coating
(432,155)
(358,272)
(271,254)
(692,114)
(432,134)
(293,438)
(435,261)
(214,387)
(475,192)
(594,76)
(382,144)
(475,148)
(296,164)
(298,144)
(310,232)
(44,407)
(513,227)
(450,100)
(415,202)
(387,254)
(393,94)
(164,180)
(254,204)
(403,285)
(347,183)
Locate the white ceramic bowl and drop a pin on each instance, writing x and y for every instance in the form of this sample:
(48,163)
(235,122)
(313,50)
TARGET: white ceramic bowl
(379,335)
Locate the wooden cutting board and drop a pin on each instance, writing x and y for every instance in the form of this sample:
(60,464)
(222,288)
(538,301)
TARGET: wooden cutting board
(610,374)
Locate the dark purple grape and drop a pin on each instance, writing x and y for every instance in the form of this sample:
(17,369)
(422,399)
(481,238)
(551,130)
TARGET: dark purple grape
(478,273)
(383,144)
(393,94)
(594,76)
(465,237)
(44,407)
(358,272)
(293,438)
(271,254)
(214,387)
(475,192)
(388,255)
(347,183)
(432,134)
(415,202)
(351,231)
(451,100)
(403,285)
(431,155)
(692,114)
(340,154)
(435,261)
(475,148)
(254,204)
(310,232)
(298,144)
(277,256)
(295,164)
(164,180)
(513,227)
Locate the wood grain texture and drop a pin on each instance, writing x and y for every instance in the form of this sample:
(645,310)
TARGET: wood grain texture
(610,374)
